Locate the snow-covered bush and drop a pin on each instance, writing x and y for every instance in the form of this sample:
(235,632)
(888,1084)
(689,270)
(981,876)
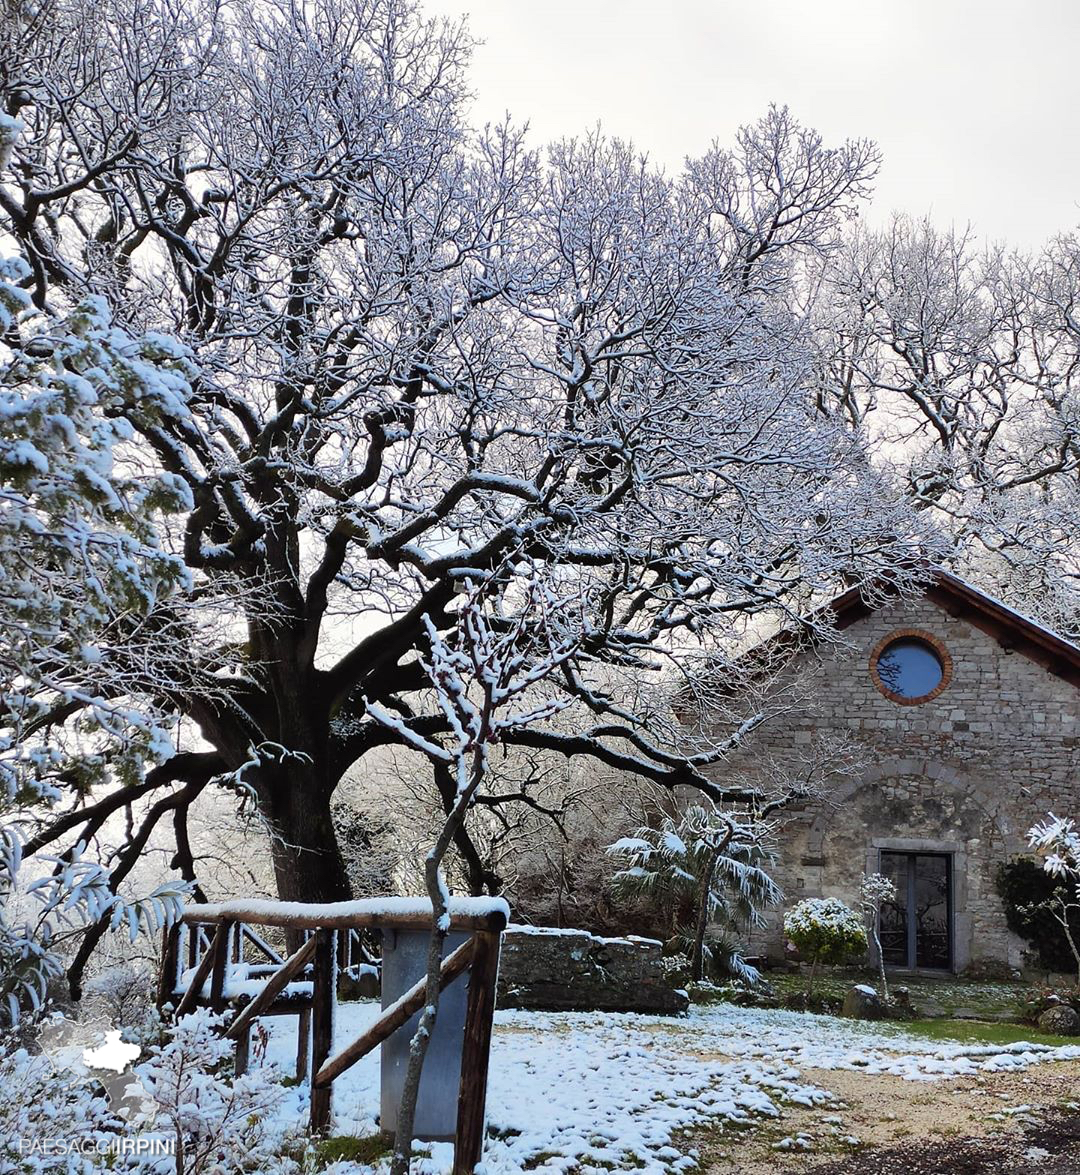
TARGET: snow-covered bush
(220,1122)
(824,930)
(1057,842)
(46,1108)
(53,1115)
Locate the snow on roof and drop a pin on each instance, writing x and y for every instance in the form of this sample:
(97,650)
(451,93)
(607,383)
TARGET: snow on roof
(1020,617)
(1034,640)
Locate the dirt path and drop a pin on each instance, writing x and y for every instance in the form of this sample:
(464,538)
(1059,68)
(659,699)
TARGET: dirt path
(996,1124)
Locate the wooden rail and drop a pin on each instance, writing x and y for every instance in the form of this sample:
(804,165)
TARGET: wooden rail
(213,937)
(275,985)
(404,915)
(401,1010)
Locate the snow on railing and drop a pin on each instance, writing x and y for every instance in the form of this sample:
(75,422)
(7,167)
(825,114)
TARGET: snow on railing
(325,940)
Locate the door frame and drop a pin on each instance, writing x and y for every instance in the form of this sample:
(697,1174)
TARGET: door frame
(950,906)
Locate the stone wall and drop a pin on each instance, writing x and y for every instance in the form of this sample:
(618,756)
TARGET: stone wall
(966,772)
(569,970)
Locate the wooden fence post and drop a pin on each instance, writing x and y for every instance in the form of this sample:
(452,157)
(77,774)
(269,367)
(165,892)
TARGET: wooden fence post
(476,1052)
(303,1043)
(170,966)
(243,1051)
(323,995)
(190,999)
(220,950)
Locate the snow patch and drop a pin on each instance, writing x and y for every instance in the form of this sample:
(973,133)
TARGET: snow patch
(610,1090)
(113,1053)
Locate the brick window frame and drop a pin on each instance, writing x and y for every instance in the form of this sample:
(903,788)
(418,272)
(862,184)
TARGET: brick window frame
(928,638)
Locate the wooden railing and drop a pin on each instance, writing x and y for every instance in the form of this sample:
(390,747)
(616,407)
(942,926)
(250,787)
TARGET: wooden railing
(213,958)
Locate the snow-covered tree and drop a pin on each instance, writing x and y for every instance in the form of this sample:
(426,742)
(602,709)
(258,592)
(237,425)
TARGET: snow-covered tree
(824,930)
(87,595)
(961,366)
(491,678)
(874,890)
(1057,841)
(712,862)
(85,586)
(427,355)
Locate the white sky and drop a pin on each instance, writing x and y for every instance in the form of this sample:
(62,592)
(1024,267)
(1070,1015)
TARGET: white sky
(974,105)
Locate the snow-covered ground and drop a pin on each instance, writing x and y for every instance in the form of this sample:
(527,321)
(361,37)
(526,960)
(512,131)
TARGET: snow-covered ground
(592,1090)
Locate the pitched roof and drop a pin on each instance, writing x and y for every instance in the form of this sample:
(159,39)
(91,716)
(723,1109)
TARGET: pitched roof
(957,597)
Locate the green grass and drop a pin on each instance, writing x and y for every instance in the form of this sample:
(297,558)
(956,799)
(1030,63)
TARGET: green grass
(538,1160)
(978,1032)
(350,1149)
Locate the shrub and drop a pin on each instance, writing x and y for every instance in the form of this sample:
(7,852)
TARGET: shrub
(1056,840)
(220,1122)
(712,862)
(49,1104)
(1039,998)
(1025,888)
(824,930)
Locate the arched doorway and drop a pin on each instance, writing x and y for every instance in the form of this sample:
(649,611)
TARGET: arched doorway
(938,833)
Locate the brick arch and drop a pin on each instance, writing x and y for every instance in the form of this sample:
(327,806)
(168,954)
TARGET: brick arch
(947,777)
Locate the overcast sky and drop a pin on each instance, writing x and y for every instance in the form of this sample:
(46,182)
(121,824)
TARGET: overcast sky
(973,104)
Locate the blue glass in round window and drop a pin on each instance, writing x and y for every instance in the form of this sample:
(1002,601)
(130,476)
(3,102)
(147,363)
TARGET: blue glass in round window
(910,668)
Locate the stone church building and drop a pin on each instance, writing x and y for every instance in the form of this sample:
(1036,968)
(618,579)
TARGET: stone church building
(969,716)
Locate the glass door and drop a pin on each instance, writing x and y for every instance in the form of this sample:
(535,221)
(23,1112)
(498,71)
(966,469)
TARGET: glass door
(916,929)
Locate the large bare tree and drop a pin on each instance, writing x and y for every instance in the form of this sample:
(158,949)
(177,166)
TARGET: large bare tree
(426,356)
(961,363)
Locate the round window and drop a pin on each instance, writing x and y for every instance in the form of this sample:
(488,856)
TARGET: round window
(910,667)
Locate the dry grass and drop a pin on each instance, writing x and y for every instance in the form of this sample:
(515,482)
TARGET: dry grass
(883,1111)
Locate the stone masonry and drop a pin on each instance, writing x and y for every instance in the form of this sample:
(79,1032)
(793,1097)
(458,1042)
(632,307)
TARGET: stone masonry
(965,773)
(570,970)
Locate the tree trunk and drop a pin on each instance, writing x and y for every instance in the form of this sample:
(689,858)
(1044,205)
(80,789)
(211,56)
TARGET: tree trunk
(308,864)
(880,958)
(697,960)
(1063,918)
(401,1159)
